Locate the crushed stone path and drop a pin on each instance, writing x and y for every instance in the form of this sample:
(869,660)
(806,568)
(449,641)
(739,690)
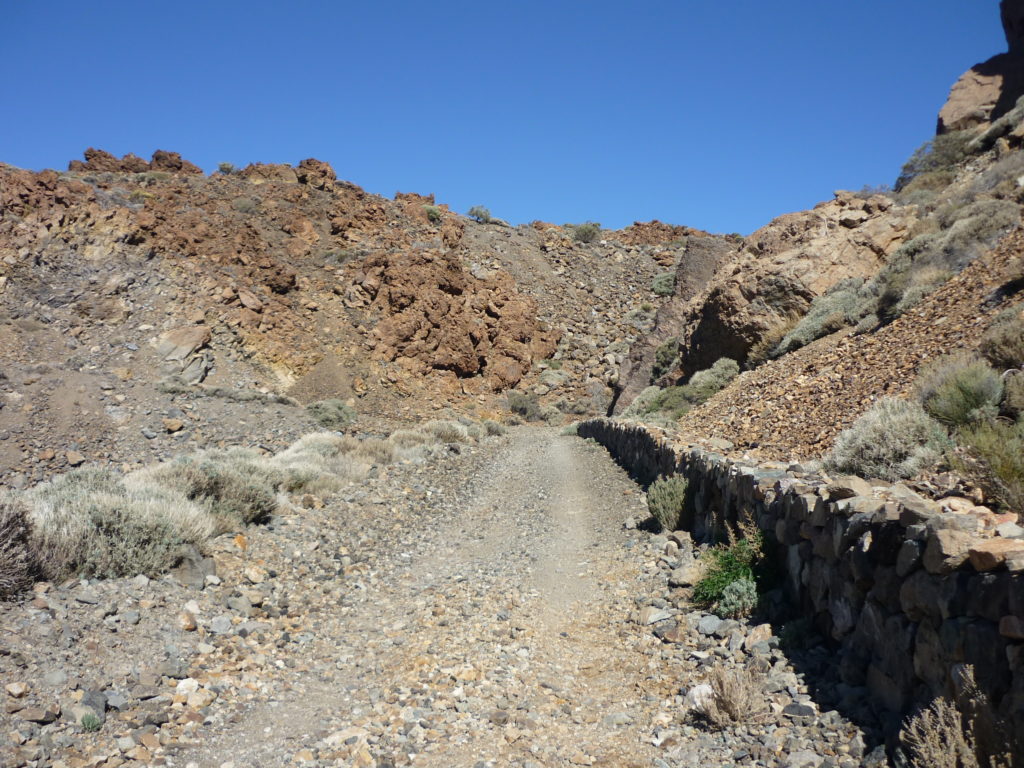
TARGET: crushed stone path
(496,631)
(491,606)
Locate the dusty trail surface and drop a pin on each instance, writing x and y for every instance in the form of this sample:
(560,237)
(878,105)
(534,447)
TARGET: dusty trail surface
(493,630)
(489,607)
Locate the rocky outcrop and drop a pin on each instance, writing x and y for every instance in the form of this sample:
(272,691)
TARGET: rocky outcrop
(99,161)
(697,266)
(653,233)
(782,268)
(907,589)
(989,90)
(433,315)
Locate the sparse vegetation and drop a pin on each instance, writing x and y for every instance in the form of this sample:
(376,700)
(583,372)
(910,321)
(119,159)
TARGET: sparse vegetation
(238,486)
(91,522)
(525,405)
(434,215)
(479,213)
(493,428)
(938,156)
(17,563)
(664,284)
(895,440)
(962,733)
(332,414)
(673,402)
(666,500)
(991,455)
(736,698)
(587,232)
(226,169)
(1003,343)
(727,565)
(244,204)
(960,389)
(665,358)
(828,313)
(704,384)
(91,723)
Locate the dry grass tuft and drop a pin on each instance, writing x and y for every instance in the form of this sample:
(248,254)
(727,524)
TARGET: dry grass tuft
(736,697)
(17,561)
(92,522)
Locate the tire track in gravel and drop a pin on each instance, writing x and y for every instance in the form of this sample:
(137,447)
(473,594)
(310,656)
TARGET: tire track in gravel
(496,633)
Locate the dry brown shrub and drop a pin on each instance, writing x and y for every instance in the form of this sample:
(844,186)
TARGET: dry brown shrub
(736,697)
(17,561)
(966,733)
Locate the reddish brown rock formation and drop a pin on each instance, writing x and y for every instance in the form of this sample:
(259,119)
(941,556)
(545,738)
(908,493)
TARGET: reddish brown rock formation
(989,90)
(99,161)
(435,316)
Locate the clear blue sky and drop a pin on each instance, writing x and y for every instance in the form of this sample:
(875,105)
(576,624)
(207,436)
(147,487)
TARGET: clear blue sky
(718,115)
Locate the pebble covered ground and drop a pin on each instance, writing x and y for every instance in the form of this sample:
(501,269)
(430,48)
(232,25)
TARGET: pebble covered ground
(494,606)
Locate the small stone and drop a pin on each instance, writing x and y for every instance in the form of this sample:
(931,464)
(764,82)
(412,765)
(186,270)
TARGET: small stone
(762,633)
(187,621)
(651,615)
(221,625)
(55,677)
(74,458)
(131,617)
(41,715)
(173,425)
(708,625)
(16,690)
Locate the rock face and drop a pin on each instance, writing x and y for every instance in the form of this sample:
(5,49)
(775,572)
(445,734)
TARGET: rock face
(783,268)
(989,90)
(436,316)
(696,268)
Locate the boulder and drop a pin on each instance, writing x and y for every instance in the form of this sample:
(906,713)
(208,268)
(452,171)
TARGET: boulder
(989,90)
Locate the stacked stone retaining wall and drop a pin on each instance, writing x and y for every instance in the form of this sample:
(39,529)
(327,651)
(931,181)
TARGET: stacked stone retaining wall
(908,590)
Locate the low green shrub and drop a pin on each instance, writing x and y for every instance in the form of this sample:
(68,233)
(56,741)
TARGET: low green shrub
(672,402)
(91,723)
(479,213)
(1013,394)
(244,204)
(960,389)
(738,599)
(226,169)
(895,440)
(666,500)
(704,384)
(332,414)
(641,403)
(725,566)
(939,155)
(587,232)
(1003,343)
(828,313)
(991,454)
(664,284)
(434,215)
(665,358)
(493,428)
(523,404)
(17,561)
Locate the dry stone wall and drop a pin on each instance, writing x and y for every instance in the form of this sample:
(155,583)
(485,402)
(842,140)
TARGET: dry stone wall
(907,589)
